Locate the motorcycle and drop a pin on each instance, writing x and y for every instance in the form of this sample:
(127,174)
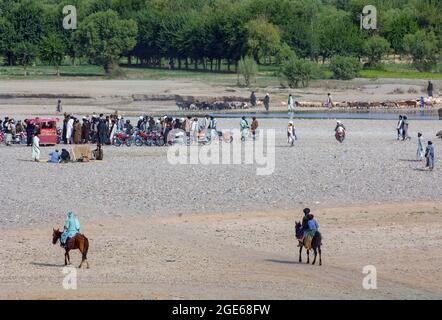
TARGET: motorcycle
(59,135)
(123,138)
(340,135)
(155,138)
(140,138)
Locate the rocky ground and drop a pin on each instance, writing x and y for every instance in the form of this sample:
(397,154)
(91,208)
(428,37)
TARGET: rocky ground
(160,230)
(369,167)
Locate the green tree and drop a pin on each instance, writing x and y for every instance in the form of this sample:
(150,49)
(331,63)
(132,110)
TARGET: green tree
(25,27)
(284,54)
(344,68)
(7,40)
(375,48)
(297,72)
(248,69)
(52,51)
(424,48)
(104,37)
(28,20)
(336,34)
(25,53)
(264,38)
(395,24)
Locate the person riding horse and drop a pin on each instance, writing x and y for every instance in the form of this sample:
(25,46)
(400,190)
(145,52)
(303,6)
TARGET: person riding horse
(309,227)
(71,228)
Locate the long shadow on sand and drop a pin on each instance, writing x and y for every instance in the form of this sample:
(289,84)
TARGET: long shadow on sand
(409,160)
(282,261)
(39,264)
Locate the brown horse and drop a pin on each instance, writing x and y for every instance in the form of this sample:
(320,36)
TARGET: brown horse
(316,244)
(78,242)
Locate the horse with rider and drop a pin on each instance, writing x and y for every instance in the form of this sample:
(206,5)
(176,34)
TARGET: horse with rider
(309,236)
(72,239)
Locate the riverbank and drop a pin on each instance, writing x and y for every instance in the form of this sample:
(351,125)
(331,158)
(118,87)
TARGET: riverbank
(158,97)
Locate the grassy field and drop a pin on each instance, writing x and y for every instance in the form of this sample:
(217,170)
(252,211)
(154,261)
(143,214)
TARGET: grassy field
(91,72)
(373,74)
(267,74)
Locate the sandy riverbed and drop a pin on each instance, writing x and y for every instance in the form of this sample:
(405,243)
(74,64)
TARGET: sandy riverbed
(220,231)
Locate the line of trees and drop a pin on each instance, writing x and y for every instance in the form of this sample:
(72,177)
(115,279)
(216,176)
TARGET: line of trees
(210,33)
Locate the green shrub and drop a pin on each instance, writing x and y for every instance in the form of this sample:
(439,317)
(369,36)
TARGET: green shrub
(117,73)
(375,49)
(284,53)
(345,68)
(424,48)
(248,68)
(298,72)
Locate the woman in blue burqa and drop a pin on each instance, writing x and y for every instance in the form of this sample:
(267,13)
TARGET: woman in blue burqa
(71,228)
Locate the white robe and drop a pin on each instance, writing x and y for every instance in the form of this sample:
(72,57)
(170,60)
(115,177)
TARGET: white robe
(69,128)
(113,131)
(36,148)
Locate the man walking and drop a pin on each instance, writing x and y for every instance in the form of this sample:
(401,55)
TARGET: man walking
(329,103)
(254,127)
(290,104)
(430,89)
(267,102)
(429,154)
(188,127)
(253,99)
(58,108)
(399,127)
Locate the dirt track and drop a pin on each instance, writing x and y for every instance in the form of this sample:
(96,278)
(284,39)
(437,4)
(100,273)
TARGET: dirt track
(241,256)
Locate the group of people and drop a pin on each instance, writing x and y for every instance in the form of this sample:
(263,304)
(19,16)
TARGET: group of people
(64,156)
(92,129)
(265,101)
(422,153)
(15,131)
(291,103)
(402,128)
(427,154)
(247,128)
(102,129)
(193,127)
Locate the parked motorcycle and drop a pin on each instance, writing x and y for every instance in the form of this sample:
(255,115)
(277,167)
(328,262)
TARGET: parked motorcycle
(123,138)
